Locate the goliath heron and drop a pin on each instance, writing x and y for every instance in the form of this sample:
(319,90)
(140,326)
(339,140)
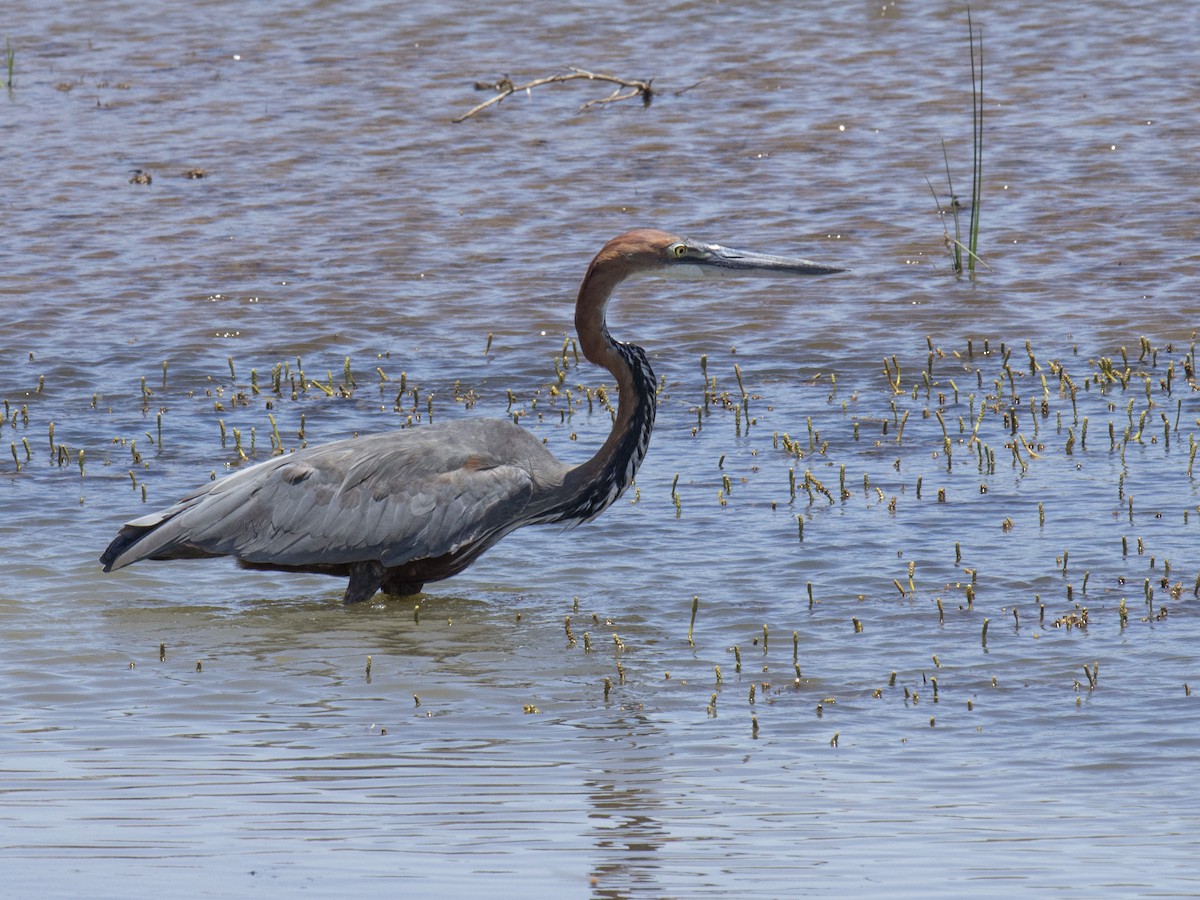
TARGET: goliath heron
(395,511)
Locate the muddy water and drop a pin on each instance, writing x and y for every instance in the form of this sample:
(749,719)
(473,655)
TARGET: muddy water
(341,215)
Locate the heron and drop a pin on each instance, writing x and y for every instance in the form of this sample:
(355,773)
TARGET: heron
(398,510)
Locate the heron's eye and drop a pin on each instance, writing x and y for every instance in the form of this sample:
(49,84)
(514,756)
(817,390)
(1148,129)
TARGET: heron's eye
(680,251)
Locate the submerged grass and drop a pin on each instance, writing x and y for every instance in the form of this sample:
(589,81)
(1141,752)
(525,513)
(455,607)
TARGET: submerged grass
(10,58)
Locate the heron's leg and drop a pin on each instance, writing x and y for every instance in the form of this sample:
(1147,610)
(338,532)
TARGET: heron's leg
(397,585)
(365,578)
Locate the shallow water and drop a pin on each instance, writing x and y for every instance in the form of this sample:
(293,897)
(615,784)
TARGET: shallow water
(342,214)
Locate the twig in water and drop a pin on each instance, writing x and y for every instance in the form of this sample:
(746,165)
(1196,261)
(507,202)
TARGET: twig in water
(626,89)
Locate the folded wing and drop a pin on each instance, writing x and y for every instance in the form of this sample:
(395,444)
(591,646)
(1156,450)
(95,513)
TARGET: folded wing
(393,497)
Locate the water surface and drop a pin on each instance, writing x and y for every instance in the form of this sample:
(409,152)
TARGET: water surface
(342,215)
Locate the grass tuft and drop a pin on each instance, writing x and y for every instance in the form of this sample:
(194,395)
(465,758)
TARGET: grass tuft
(956,245)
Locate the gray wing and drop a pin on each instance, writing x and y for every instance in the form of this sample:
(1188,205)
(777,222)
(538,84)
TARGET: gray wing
(393,497)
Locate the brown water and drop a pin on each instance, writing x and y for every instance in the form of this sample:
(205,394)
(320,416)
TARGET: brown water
(343,215)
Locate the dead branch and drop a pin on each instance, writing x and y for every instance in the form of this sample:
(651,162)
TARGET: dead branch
(626,89)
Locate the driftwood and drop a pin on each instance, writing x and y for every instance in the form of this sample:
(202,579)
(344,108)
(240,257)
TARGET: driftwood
(626,89)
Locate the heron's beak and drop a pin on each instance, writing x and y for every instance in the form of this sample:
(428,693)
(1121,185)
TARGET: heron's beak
(727,258)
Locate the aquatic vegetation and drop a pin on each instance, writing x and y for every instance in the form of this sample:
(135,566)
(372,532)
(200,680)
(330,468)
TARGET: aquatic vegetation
(955,244)
(976,433)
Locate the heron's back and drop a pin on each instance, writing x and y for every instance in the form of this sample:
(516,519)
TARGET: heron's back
(393,497)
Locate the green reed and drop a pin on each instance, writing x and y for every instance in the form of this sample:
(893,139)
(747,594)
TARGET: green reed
(956,244)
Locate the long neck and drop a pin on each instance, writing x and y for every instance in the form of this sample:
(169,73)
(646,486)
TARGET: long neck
(592,487)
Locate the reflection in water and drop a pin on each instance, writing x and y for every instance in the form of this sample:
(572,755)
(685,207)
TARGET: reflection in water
(627,808)
(1023,459)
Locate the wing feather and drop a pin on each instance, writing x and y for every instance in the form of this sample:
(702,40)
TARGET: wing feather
(393,497)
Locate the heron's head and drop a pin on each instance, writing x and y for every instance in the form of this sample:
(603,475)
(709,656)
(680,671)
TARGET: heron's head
(650,250)
(646,250)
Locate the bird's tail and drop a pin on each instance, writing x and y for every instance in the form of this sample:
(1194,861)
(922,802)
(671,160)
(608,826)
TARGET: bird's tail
(124,548)
(147,538)
(125,539)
